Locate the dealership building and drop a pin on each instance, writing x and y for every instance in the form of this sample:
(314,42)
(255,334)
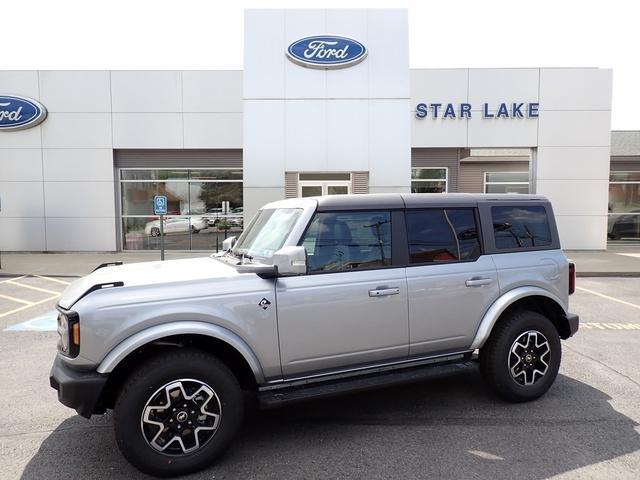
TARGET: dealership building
(326,104)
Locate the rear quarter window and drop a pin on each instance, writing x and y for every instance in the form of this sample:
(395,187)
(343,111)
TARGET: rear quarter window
(520,227)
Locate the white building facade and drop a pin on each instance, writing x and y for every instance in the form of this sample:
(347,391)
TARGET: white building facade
(219,144)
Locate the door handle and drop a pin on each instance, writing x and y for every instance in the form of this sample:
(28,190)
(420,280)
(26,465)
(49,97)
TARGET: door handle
(478,282)
(381,292)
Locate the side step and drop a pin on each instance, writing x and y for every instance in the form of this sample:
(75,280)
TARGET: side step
(285,396)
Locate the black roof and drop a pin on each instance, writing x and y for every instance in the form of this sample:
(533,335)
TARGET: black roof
(416,200)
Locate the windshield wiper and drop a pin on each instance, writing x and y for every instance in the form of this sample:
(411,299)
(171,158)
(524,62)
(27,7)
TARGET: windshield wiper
(241,255)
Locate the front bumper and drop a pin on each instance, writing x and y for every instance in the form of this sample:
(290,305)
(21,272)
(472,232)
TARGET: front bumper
(78,390)
(573,323)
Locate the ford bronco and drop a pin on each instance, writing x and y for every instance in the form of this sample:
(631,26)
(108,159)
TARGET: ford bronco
(318,297)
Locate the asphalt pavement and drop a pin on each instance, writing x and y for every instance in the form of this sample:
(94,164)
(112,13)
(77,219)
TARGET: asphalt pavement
(586,426)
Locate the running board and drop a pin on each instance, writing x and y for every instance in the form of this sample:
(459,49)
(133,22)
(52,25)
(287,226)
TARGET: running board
(285,396)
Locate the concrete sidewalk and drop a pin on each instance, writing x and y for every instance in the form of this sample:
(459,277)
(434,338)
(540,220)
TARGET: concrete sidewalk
(75,264)
(618,261)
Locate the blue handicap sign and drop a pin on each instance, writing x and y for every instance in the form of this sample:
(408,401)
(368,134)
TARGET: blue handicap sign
(160,205)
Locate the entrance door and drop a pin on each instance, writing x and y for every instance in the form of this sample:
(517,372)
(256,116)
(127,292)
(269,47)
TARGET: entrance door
(313,188)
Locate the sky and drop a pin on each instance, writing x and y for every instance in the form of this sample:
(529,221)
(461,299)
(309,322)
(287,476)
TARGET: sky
(198,34)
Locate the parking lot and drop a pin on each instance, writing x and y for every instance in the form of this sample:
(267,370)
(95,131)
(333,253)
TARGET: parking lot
(587,426)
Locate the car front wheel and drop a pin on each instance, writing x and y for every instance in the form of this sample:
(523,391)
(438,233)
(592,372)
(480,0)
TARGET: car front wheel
(177,413)
(521,358)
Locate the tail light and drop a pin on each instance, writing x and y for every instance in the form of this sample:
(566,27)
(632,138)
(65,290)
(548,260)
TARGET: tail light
(572,278)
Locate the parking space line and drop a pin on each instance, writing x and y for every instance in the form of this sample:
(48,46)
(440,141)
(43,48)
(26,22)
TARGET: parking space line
(24,307)
(53,279)
(38,289)
(14,299)
(12,279)
(623,302)
(610,326)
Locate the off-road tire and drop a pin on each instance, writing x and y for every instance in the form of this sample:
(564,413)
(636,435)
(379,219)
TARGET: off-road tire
(496,353)
(152,375)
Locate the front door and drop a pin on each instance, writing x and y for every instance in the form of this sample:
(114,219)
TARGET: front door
(350,309)
(450,283)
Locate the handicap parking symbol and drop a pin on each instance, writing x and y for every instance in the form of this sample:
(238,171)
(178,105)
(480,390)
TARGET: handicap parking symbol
(160,205)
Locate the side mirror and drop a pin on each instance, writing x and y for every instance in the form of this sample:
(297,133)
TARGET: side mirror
(260,269)
(290,260)
(228,243)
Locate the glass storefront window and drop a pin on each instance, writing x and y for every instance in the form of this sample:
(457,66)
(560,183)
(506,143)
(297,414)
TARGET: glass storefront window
(624,206)
(215,174)
(204,207)
(207,197)
(506,182)
(167,174)
(624,176)
(311,190)
(429,180)
(137,197)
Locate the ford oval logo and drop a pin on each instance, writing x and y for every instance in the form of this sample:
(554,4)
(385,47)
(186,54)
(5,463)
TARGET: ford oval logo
(326,51)
(20,112)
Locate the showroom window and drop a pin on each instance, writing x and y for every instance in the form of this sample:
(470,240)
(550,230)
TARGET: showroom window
(506,182)
(204,206)
(624,206)
(429,180)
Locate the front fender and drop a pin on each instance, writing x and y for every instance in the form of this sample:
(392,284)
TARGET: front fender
(148,335)
(501,304)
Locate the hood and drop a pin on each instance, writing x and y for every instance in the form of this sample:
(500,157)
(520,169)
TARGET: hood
(146,273)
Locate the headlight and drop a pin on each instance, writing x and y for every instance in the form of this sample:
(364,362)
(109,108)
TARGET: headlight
(69,333)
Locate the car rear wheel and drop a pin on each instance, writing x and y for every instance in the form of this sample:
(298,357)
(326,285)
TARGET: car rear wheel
(177,413)
(155,232)
(521,358)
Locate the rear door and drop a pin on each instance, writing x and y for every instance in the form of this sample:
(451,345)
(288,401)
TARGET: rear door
(451,283)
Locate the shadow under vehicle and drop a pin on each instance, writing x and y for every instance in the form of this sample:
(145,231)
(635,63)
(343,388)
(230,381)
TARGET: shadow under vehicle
(447,428)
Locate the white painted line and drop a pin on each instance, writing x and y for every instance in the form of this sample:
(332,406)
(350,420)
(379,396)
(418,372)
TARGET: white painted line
(53,279)
(14,299)
(38,289)
(610,326)
(634,255)
(12,279)
(24,307)
(485,455)
(629,304)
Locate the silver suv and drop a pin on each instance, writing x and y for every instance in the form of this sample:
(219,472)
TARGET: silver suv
(318,297)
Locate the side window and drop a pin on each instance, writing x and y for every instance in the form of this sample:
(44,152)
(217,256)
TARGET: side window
(342,241)
(520,227)
(442,235)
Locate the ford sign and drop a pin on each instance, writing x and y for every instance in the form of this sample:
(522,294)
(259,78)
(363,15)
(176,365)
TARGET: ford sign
(326,51)
(20,112)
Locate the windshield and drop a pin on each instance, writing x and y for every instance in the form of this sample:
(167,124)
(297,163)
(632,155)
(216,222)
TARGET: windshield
(267,232)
